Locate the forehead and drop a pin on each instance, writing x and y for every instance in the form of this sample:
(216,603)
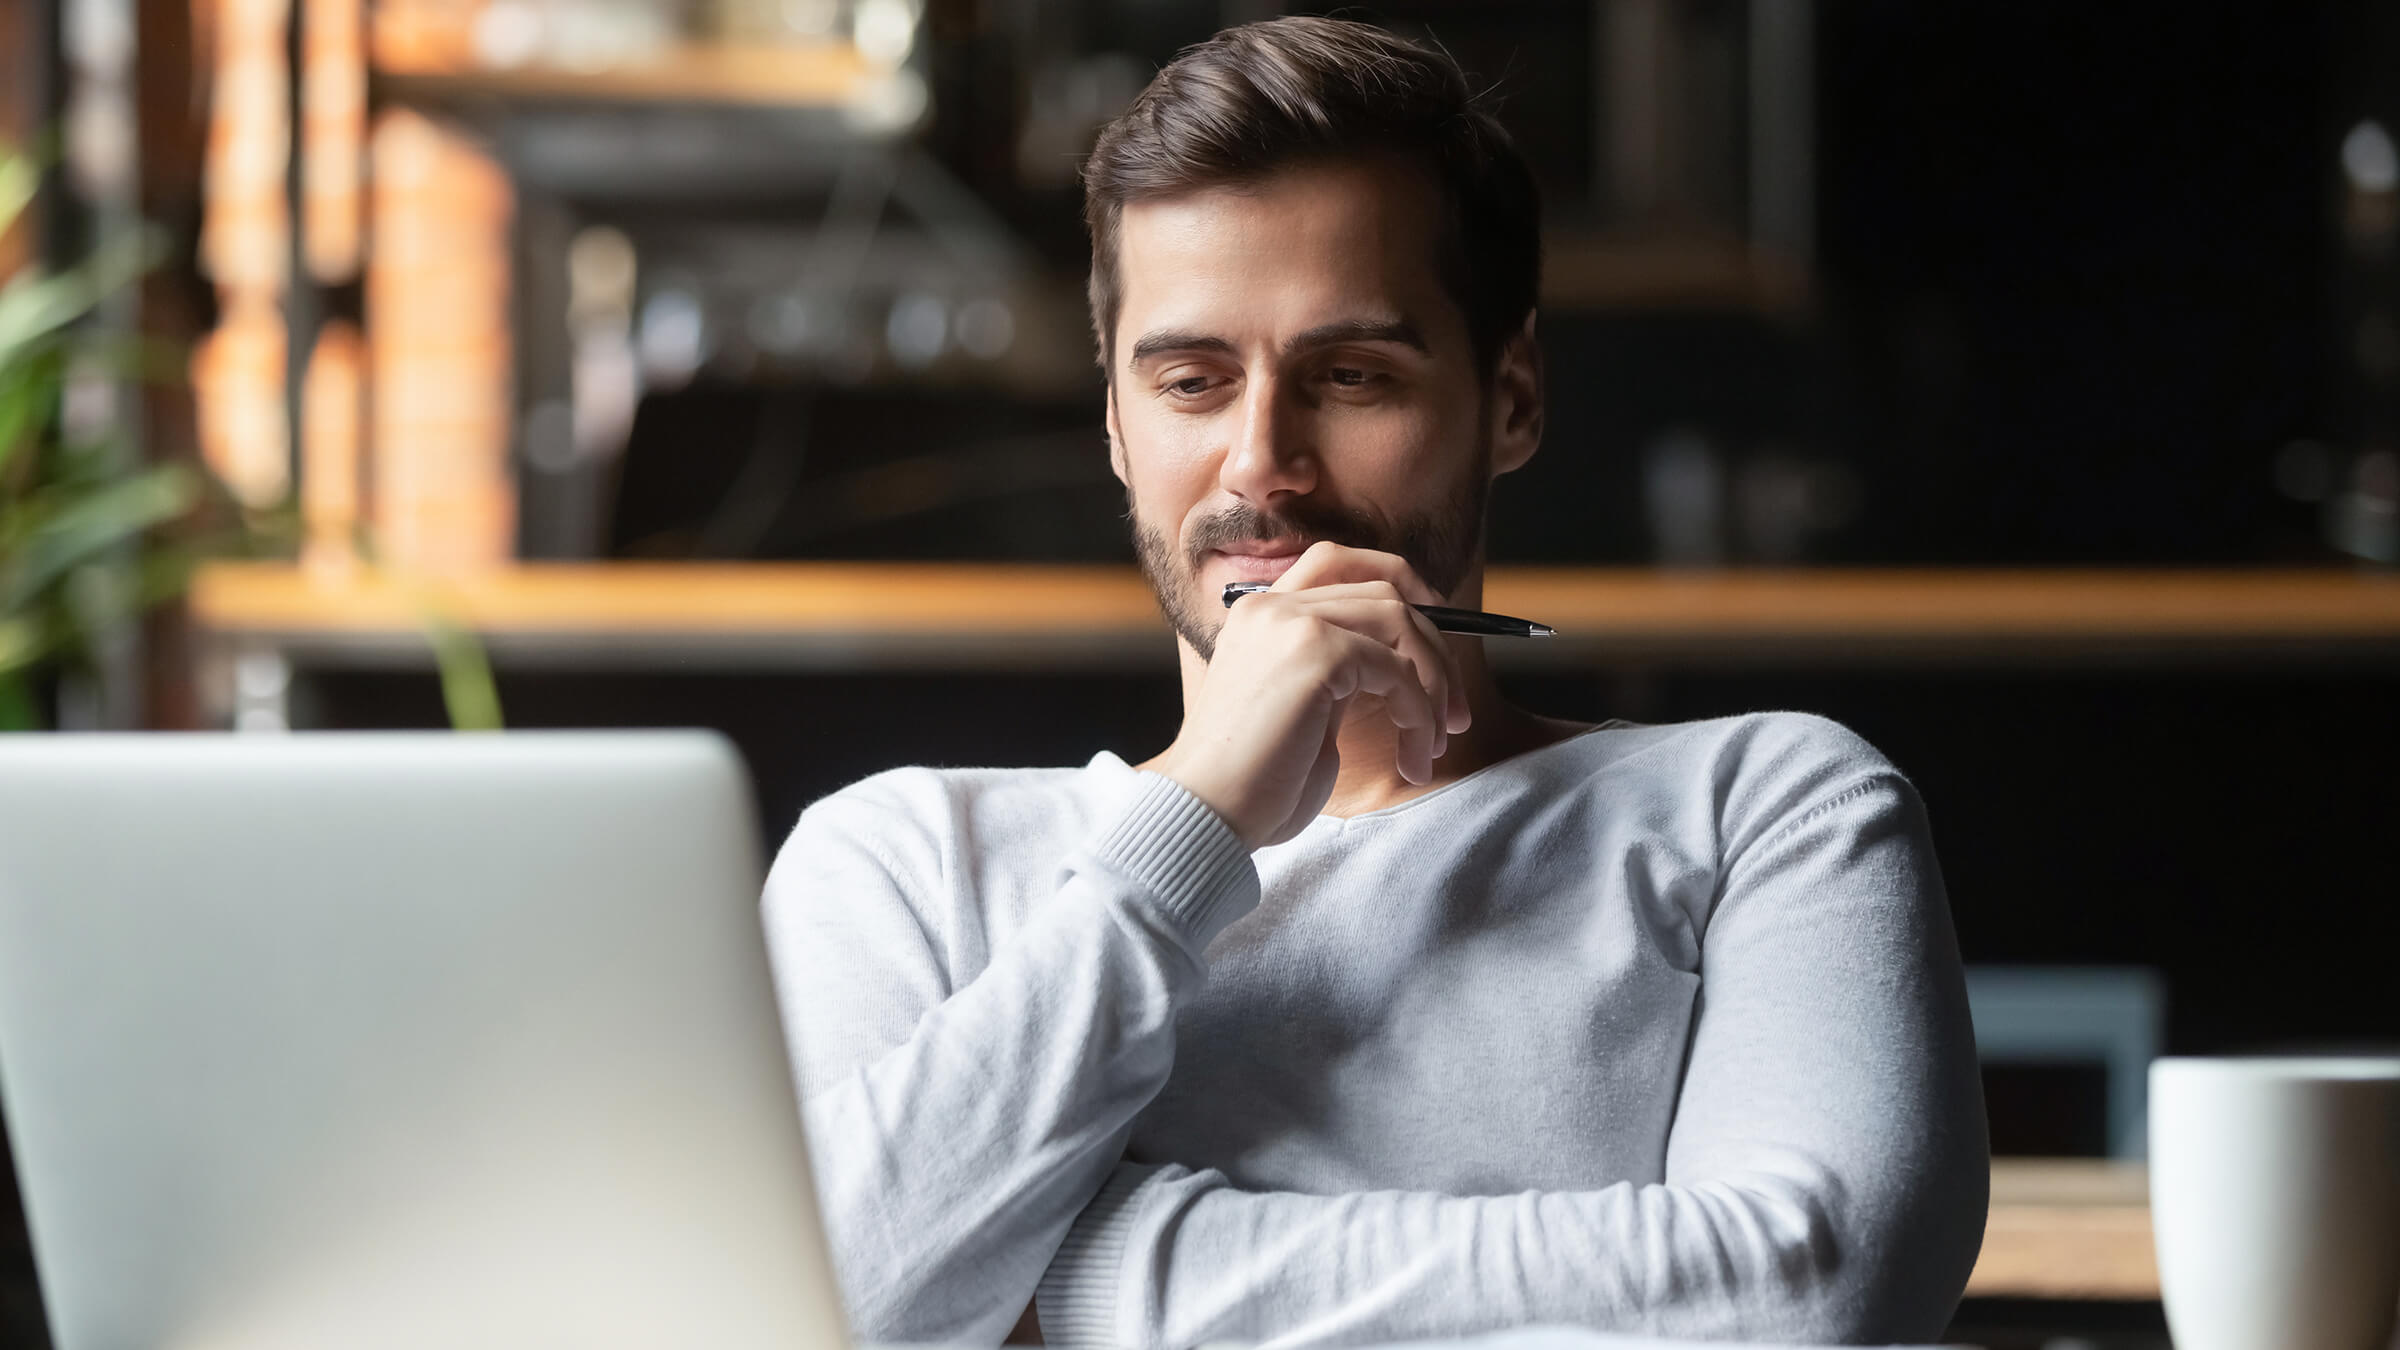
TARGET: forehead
(1311,244)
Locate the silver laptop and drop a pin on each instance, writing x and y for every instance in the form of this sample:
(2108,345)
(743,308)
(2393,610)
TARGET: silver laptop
(399,1040)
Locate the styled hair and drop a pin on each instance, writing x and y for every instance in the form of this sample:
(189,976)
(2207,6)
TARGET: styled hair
(1261,97)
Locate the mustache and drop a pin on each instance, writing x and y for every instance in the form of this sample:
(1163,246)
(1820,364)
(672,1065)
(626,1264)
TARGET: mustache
(1307,522)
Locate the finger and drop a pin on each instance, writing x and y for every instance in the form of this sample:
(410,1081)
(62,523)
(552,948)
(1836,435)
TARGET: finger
(1363,665)
(1373,608)
(1450,691)
(1428,650)
(1376,607)
(1452,699)
(1450,694)
(1441,694)
(1330,564)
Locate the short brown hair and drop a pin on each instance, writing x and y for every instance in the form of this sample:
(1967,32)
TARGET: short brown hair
(1260,97)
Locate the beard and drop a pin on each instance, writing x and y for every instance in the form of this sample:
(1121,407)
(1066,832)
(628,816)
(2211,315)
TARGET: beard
(1441,544)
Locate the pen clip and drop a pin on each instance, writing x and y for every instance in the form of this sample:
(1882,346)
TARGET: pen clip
(1235,590)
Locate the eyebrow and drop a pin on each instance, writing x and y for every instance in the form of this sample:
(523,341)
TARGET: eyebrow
(1154,343)
(1399,331)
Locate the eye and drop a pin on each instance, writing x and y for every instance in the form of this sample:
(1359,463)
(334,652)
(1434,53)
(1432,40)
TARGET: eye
(1205,389)
(1356,379)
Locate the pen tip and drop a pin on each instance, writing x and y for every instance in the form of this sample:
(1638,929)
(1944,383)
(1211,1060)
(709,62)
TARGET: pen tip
(1542,630)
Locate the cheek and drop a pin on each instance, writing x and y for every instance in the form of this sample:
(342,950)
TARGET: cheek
(1407,438)
(1168,461)
(1165,447)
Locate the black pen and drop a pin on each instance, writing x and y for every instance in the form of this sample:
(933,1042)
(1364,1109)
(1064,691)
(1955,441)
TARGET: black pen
(1472,621)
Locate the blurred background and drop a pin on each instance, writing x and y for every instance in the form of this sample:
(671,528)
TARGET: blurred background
(580,325)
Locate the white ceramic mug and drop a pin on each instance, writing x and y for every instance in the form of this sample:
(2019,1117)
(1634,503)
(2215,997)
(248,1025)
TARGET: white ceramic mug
(2275,1198)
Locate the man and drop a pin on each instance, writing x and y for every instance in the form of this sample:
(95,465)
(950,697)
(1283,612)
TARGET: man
(1373,1007)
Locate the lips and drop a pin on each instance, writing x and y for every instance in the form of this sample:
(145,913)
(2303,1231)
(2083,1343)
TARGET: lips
(1256,562)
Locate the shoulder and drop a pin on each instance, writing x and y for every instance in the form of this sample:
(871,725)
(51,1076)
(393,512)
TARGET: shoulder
(1791,752)
(1750,748)
(1753,774)
(917,819)
(928,861)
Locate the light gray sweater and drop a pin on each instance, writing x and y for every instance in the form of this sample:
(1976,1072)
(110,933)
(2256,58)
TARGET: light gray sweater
(1657,1028)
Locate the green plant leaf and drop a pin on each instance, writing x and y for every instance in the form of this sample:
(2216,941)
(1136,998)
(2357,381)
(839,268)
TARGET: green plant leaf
(20,178)
(35,303)
(22,642)
(18,711)
(83,527)
(27,393)
(96,595)
(469,693)
(74,562)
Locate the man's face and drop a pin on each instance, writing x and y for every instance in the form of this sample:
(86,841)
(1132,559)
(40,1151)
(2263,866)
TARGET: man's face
(1288,368)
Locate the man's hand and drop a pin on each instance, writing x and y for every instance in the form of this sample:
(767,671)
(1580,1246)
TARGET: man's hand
(1259,744)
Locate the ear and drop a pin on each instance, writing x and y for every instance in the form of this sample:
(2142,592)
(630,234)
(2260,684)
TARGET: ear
(1116,438)
(1517,401)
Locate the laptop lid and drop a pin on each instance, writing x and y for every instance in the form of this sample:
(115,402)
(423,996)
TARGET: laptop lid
(399,1040)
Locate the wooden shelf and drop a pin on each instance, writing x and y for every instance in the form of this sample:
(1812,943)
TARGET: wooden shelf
(683,598)
(764,76)
(797,615)
(2031,606)
(1033,614)
(2067,1229)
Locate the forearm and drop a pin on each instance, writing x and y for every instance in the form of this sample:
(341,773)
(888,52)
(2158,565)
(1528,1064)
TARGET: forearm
(1168,1257)
(950,1164)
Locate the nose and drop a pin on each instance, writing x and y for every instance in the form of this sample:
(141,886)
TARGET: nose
(1269,455)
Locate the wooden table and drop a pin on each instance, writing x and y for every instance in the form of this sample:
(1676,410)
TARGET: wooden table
(2067,1229)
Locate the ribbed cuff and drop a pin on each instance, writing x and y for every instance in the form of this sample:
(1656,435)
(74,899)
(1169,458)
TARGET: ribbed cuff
(1171,844)
(1076,1301)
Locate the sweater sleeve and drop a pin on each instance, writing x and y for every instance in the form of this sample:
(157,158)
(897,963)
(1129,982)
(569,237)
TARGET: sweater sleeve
(1826,1173)
(956,1134)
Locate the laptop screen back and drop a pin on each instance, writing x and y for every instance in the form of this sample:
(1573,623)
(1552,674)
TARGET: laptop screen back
(399,1040)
